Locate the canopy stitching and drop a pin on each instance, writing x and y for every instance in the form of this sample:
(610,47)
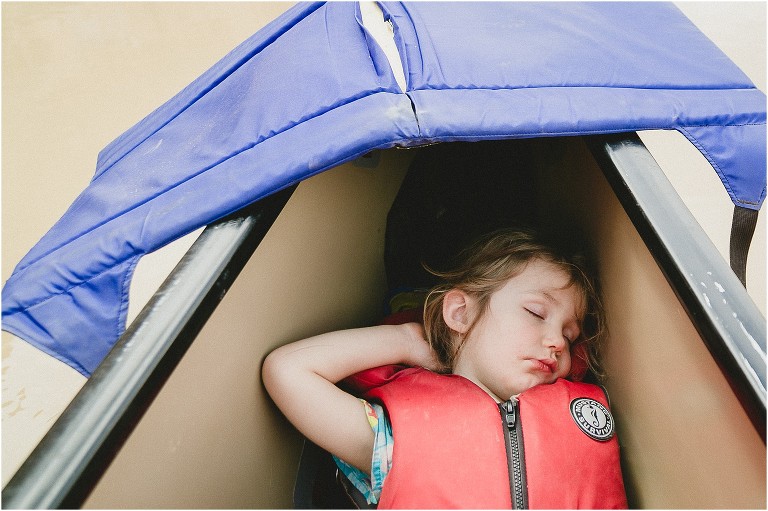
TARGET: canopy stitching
(586,86)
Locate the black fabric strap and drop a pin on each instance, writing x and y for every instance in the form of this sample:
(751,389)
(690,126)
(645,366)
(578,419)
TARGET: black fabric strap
(742,229)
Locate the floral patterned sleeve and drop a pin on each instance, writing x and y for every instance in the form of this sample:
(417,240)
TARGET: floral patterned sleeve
(381,459)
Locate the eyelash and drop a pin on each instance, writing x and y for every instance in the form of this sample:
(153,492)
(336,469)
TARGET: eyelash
(529,311)
(533,313)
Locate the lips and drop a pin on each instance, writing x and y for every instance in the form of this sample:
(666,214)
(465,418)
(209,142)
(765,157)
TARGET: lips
(546,364)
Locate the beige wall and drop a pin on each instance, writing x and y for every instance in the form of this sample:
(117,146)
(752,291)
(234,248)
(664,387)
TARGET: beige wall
(75,76)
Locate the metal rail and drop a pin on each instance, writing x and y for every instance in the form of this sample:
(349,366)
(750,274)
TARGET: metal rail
(74,454)
(725,316)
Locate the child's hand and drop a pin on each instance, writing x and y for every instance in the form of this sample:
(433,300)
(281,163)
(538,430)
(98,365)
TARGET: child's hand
(420,352)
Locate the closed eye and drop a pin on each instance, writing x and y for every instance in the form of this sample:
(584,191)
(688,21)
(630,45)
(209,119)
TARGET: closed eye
(533,313)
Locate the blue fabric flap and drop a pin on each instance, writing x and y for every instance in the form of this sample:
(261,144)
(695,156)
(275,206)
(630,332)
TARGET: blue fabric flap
(313,90)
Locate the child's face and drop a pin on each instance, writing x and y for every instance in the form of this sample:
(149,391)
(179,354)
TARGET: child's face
(524,337)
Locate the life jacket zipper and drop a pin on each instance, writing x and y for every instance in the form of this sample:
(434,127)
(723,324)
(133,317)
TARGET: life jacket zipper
(515,456)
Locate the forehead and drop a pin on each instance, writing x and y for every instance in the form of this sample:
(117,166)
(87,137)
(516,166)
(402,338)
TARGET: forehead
(540,274)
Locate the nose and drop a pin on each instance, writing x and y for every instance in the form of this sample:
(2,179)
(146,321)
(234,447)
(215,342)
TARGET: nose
(556,341)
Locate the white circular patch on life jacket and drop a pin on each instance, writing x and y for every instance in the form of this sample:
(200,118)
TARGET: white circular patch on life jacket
(594,419)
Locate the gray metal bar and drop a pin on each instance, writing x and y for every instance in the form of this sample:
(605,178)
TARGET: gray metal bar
(728,320)
(66,465)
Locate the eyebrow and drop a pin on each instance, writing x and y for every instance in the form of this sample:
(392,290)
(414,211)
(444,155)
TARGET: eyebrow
(545,294)
(549,297)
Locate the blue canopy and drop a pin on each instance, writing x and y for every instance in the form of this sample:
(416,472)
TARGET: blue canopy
(313,89)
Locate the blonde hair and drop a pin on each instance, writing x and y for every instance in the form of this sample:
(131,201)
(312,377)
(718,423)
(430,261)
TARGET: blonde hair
(486,266)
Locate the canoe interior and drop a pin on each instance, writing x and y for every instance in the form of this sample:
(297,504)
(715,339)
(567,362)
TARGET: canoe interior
(213,439)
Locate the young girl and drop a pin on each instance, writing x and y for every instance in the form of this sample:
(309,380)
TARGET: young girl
(514,314)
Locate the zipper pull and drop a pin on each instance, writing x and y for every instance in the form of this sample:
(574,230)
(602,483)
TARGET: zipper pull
(510,412)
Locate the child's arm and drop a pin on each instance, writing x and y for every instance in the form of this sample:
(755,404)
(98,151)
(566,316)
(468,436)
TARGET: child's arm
(300,377)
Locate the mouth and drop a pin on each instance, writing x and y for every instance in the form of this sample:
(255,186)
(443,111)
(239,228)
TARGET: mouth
(546,365)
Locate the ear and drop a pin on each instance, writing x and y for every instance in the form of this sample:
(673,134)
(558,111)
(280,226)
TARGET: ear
(456,310)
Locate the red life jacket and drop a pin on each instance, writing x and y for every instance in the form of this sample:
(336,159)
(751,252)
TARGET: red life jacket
(450,443)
